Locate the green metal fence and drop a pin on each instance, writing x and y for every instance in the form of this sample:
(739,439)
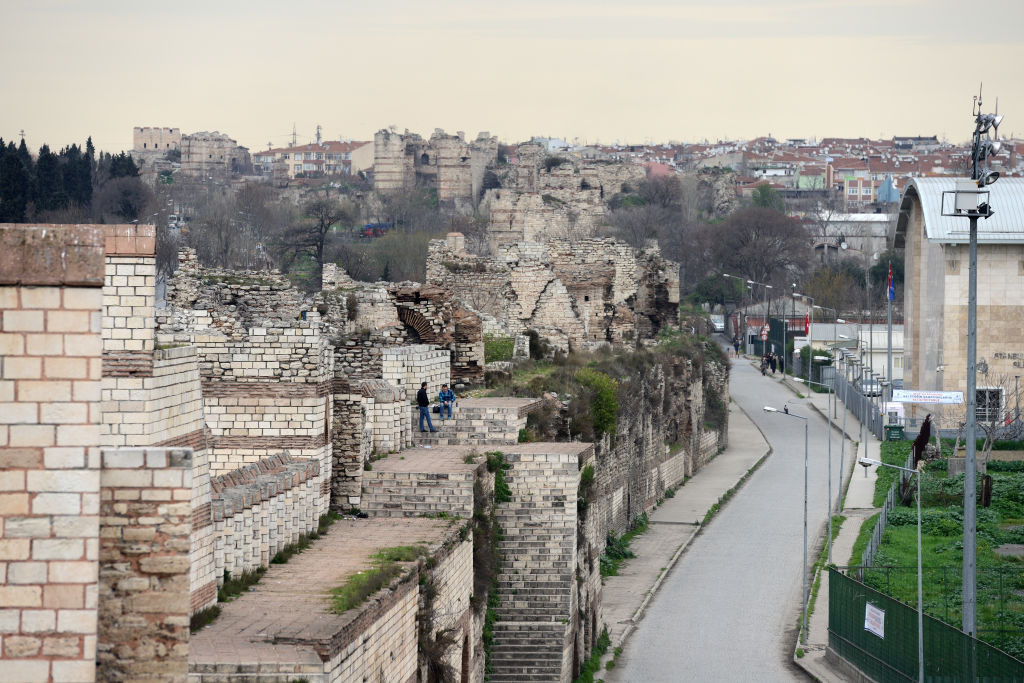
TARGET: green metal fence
(949,654)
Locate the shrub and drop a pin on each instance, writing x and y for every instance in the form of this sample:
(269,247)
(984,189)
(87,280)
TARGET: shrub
(498,348)
(604,402)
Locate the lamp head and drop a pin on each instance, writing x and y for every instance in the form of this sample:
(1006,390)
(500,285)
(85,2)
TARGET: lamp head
(988,177)
(769,409)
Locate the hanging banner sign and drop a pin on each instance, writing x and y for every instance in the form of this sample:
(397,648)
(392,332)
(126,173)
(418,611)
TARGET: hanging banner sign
(910,396)
(874,620)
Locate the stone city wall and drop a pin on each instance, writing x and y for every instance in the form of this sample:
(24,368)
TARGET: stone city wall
(51,298)
(146,521)
(259,509)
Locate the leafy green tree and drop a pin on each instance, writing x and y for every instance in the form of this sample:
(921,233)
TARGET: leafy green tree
(767,197)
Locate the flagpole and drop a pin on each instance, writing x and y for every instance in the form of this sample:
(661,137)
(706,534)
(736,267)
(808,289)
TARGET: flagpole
(890,294)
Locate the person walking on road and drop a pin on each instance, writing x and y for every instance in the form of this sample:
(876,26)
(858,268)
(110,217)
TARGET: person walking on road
(423,401)
(736,344)
(773,363)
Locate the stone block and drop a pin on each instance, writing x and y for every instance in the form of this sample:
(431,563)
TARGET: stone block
(82,571)
(21,596)
(76,621)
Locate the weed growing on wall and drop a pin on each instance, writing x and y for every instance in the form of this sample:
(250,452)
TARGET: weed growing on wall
(387,565)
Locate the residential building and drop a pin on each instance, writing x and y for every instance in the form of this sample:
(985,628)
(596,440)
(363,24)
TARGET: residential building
(331,157)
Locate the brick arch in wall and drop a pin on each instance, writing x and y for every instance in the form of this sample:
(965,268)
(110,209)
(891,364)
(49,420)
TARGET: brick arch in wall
(419,323)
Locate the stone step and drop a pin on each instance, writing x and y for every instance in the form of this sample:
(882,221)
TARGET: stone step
(509,672)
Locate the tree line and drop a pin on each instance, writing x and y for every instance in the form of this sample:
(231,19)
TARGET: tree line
(75,184)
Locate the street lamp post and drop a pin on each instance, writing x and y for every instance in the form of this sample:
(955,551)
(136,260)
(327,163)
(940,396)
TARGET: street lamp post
(745,286)
(803,586)
(810,327)
(828,416)
(920,593)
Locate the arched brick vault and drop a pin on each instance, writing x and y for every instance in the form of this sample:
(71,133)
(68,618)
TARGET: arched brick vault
(418,322)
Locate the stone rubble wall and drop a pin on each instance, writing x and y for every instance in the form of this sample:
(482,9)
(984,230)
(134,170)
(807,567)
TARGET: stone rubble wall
(50,374)
(259,509)
(571,291)
(234,300)
(145,523)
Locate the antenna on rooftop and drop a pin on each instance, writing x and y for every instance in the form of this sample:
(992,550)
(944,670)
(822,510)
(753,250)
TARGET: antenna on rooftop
(22,134)
(293,135)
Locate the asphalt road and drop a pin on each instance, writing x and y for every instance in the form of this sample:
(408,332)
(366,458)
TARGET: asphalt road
(730,608)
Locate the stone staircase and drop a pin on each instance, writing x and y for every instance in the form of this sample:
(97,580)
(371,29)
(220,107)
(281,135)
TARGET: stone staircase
(420,482)
(533,631)
(482,422)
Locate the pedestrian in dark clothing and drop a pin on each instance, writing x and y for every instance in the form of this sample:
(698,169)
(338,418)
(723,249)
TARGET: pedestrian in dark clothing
(423,401)
(772,362)
(764,364)
(736,344)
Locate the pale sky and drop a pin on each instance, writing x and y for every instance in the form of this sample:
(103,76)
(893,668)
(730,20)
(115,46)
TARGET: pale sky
(647,71)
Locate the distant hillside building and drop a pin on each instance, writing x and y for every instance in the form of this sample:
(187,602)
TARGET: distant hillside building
(331,157)
(446,162)
(213,155)
(155,139)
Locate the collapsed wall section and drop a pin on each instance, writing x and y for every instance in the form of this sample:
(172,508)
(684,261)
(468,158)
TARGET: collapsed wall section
(571,292)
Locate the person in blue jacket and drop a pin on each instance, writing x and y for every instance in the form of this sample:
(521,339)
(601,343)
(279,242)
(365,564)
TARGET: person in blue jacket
(447,399)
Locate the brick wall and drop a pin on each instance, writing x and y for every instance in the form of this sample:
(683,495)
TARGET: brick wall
(50,360)
(145,524)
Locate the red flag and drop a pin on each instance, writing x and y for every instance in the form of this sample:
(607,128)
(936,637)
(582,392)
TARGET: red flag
(807,323)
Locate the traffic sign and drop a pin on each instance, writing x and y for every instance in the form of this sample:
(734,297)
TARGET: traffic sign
(764,333)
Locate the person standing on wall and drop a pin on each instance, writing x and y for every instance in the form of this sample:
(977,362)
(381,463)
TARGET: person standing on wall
(447,400)
(423,401)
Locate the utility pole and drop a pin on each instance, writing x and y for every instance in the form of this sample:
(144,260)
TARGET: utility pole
(971,199)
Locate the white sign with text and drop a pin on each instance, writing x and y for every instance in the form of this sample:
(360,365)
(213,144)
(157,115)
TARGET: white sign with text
(911,396)
(874,620)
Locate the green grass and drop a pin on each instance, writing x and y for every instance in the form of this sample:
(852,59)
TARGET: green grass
(893,453)
(387,565)
(820,563)
(593,664)
(617,549)
(1000,579)
(863,537)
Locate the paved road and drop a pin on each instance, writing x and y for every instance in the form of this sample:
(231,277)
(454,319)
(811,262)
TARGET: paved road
(730,608)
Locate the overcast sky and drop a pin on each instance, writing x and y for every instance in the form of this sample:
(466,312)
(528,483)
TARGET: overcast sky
(599,71)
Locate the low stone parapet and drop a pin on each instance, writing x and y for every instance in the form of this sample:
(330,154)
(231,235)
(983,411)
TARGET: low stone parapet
(259,509)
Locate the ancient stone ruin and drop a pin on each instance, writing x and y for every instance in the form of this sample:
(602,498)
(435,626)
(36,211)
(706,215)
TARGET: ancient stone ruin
(154,457)
(573,293)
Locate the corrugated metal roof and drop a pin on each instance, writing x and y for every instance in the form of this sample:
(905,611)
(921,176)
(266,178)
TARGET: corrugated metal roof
(1006,198)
